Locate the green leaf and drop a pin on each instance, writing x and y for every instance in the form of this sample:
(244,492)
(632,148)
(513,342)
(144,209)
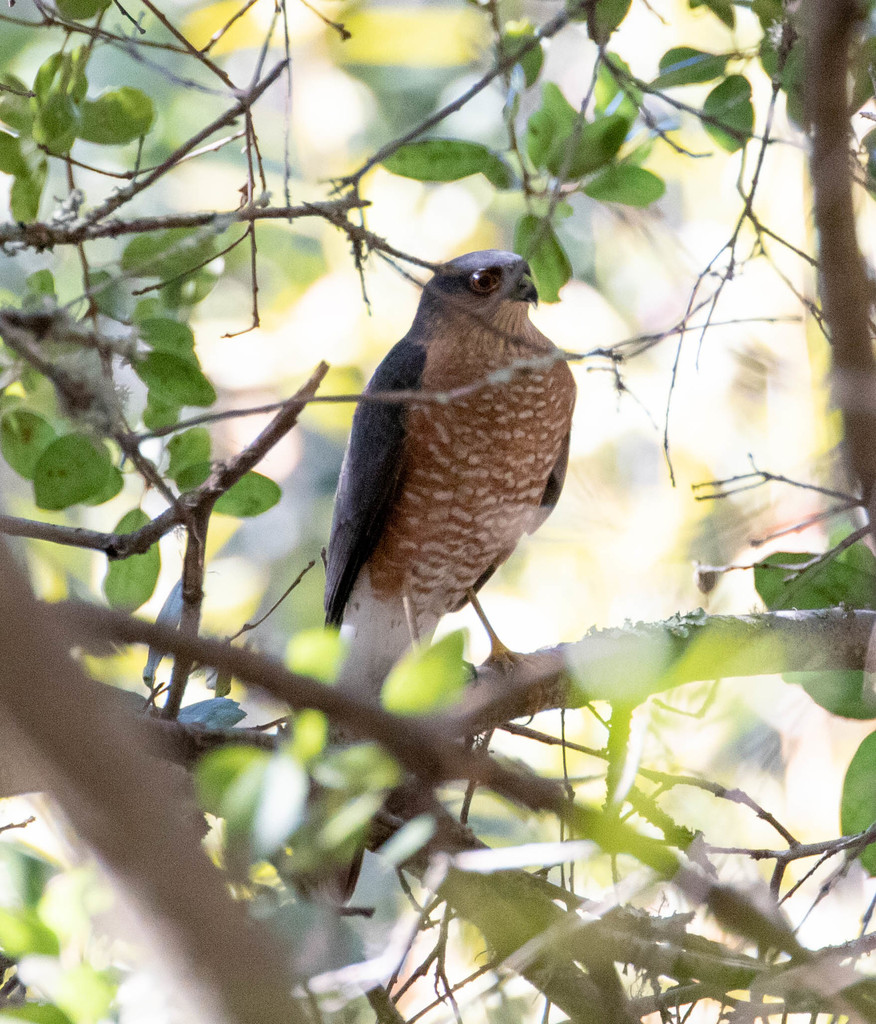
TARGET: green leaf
(623,183)
(730,104)
(448,160)
(55,123)
(317,653)
(81,10)
(23,933)
(534,239)
(792,76)
(858,801)
(116,117)
(187,449)
(516,35)
(37,1013)
(45,76)
(427,678)
(769,12)
(250,496)
(41,282)
(848,694)
(553,120)
(167,254)
(130,582)
(175,380)
(27,189)
(24,436)
(722,9)
(11,160)
(71,469)
(159,412)
(849,579)
(112,486)
(165,335)
(607,17)
(193,475)
(682,65)
(213,713)
(15,109)
(596,143)
(609,97)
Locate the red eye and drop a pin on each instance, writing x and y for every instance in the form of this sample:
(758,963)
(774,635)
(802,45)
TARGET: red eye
(485,282)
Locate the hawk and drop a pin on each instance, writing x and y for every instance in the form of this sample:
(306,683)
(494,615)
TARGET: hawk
(434,495)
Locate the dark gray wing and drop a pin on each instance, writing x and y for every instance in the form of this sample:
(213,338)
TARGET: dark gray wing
(370,475)
(553,487)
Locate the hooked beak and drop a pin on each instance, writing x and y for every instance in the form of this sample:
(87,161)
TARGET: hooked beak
(525,290)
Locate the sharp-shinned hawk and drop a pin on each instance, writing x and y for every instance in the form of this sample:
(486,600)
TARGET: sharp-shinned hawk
(435,495)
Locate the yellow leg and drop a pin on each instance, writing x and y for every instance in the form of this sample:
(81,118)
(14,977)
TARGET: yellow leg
(498,651)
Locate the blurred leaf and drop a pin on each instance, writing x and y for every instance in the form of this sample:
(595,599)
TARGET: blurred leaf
(11,160)
(41,282)
(175,380)
(858,801)
(159,412)
(24,436)
(722,9)
(130,582)
(187,448)
(682,65)
(55,123)
(730,104)
(769,12)
(609,97)
(190,289)
(24,933)
(86,993)
(607,17)
(192,476)
(250,496)
(37,1013)
(515,36)
(448,160)
(162,334)
(281,804)
(359,768)
(81,10)
(317,653)
(869,145)
(168,254)
(71,469)
(111,487)
(534,239)
(623,183)
(427,36)
(793,75)
(410,839)
(850,579)
(214,713)
(116,117)
(217,772)
(45,76)
(553,120)
(309,735)
(15,109)
(847,694)
(170,614)
(427,678)
(27,190)
(596,144)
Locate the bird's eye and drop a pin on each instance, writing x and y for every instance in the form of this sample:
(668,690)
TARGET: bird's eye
(485,282)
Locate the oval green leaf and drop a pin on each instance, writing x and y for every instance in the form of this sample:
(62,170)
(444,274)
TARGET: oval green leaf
(250,496)
(632,186)
(188,449)
(448,160)
(597,142)
(81,10)
(176,380)
(116,117)
(427,678)
(162,334)
(24,436)
(535,240)
(130,582)
(71,469)
(858,801)
(516,35)
(683,65)
(553,120)
(729,104)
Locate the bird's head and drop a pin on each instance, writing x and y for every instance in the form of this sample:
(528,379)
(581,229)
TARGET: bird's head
(480,282)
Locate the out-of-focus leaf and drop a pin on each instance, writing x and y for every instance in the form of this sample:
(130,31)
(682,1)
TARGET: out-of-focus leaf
(317,653)
(11,160)
(722,9)
(24,933)
(514,37)
(130,582)
(111,487)
(309,735)
(730,104)
(41,282)
(169,616)
(427,678)
(159,412)
(24,436)
(186,449)
(214,713)
(176,380)
(792,75)
(858,802)
(116,117)
(847,694)
(162,334)
(360,768)
(27,189)
(71,469)
(850,579)
(167,254)
(535,240)
(193,475)
(596,143)
(609,97)
(448,160)
(81,10)
(250,496)
(607,17)
(623,183)
(37,1013)
(86,993)
(683,65)
(409,839)
(15,107)
(55,123)
(554,119)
